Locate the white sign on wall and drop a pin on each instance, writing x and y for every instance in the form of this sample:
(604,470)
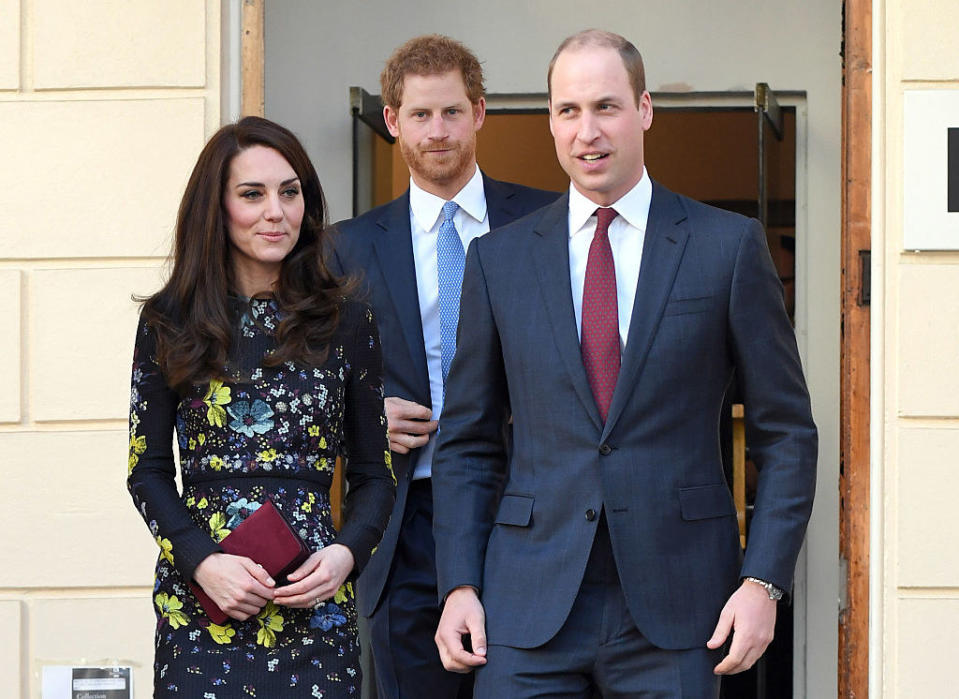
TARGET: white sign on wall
(72,682)
(931,170)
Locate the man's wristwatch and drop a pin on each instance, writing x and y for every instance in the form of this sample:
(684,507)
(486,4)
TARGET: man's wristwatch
(774,592)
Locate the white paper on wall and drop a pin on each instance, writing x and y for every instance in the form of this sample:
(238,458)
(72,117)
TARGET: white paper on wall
(931,170)
(73,682)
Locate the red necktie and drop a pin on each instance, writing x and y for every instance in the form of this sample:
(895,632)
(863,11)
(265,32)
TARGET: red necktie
(599,339)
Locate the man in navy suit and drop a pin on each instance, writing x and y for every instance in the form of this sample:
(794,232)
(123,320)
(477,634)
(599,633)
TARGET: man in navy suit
(410,252)
(599,554)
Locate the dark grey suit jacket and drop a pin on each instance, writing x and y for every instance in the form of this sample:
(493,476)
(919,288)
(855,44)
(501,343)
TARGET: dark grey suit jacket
(708,303)
(378,245)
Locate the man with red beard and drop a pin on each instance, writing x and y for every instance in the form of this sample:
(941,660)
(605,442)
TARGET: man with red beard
(411,254)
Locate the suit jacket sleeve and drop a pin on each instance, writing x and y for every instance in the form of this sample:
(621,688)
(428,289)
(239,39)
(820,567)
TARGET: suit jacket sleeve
(780,431)
(469,465)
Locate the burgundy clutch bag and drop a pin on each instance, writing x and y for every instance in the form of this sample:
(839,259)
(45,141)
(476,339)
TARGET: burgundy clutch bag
(266,538)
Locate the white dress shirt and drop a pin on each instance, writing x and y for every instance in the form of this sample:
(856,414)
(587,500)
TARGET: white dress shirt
(626,235)
(471,221)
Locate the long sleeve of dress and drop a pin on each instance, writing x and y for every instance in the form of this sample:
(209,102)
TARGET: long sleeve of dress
(151,477)
(369,471)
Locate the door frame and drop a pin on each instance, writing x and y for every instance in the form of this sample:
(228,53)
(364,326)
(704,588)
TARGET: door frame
(854,410)
(856,156)
(252,63)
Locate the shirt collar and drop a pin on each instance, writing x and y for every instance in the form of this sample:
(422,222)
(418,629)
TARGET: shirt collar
(633,206)
(426,208)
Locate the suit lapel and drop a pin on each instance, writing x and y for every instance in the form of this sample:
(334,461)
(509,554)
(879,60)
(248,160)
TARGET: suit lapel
(551,258)
(662,250)
(499,205)
(394,249)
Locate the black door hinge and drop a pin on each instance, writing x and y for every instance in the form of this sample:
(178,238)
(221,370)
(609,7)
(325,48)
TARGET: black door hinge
(865,276)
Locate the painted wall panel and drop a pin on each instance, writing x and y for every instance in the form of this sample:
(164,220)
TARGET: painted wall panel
(113,43)
(105,176)
(928,37)
(928,522)
(69,521)
(84,323)
(928,631)
(9,44)
(928,340)
(10,366)
(11,616)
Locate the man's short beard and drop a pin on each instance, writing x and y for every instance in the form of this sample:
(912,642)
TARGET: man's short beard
(460,159)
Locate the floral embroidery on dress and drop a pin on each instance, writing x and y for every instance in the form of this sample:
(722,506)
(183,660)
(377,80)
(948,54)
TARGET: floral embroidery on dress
(217,395)
(221,634)
(239,510)
(271,621)
(251,419)
(218,528)
(326,616)
(171,609)
(166,548)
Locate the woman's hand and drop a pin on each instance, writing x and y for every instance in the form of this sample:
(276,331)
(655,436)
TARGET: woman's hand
(239,586)
(317,579)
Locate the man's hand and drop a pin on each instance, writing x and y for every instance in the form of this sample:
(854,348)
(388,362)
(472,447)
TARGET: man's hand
(751,615)
(239,586)
(408,423)
(318,578)
(462,614)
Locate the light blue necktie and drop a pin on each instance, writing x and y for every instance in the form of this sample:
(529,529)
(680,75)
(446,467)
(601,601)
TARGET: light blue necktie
(449,260)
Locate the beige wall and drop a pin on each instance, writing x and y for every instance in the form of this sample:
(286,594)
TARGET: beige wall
(915,582)
(104,106)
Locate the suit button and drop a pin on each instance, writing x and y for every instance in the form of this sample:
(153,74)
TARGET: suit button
(590,514)
(605,450)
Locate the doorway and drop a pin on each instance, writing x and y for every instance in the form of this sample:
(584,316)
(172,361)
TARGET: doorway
(280,69)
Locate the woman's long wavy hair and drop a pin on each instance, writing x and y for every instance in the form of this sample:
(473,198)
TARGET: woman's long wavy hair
(191,315)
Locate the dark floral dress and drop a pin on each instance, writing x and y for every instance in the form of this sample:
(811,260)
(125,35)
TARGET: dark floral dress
(260,432)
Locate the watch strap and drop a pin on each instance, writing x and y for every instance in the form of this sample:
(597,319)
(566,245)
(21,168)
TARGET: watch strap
(774,592)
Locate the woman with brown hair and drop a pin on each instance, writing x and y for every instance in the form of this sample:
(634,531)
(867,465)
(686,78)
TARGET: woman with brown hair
(254,354)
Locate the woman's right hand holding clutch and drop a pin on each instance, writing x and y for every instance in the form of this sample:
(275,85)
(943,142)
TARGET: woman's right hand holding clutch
(240,587)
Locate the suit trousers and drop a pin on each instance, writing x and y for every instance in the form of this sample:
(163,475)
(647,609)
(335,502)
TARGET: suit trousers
(405,659)
(598,652)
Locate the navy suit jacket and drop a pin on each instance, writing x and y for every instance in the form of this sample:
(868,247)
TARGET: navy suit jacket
(516,524)
(378,245)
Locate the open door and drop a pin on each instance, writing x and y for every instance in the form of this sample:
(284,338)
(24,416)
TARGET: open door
(771,677)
